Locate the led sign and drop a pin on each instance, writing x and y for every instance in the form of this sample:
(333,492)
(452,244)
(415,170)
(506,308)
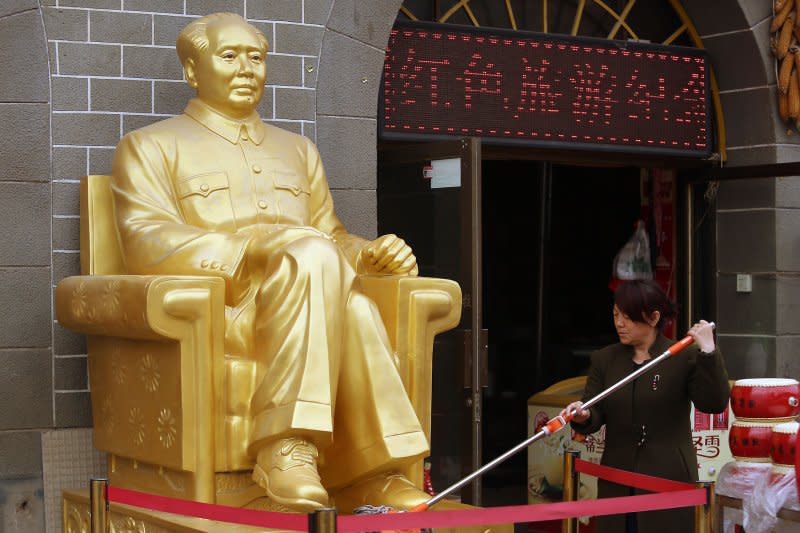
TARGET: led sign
(545,90)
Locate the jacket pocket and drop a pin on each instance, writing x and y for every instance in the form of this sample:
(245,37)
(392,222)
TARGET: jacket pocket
(293,193)
(206,201)
(289,181)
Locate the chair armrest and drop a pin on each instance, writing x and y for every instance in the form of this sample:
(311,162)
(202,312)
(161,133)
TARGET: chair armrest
(124,305)
(156,356)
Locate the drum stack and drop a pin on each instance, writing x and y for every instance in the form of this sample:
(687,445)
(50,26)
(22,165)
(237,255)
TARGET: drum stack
(765,430)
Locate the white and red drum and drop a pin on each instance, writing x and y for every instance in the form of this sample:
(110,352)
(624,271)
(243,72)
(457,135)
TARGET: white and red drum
(777,399)
(751,440)
(783,443)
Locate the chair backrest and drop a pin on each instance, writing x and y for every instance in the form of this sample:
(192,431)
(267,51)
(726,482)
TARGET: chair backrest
(101,253)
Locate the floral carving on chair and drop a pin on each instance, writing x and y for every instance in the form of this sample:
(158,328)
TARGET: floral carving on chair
(80,301)
(107,416)
(136,420)
(149,372)
(167,428)
(119,371)
(111,296)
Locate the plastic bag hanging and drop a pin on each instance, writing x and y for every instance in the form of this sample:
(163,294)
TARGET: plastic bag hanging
(633,260)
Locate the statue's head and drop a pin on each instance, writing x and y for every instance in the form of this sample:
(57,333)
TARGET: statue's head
(223,59)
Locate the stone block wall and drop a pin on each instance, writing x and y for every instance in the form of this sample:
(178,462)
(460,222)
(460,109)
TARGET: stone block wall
(26,378)
(757,220)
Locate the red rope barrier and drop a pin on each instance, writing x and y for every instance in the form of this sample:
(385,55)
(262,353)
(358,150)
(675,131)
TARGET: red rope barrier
(523,513)
(378,522)
(222,513)
(630,479)
(669,494)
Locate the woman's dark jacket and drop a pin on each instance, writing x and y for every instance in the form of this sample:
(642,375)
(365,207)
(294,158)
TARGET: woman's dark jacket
(647,422)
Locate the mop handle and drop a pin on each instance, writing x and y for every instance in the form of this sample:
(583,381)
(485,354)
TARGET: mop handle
(556,423)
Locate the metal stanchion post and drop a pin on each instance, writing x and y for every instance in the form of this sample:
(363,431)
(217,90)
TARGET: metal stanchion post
(705,516)
(98,505)
(322,521)
(571,484)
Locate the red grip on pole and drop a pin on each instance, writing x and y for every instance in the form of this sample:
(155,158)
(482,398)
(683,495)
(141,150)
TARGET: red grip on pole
(681,345)
(554,424)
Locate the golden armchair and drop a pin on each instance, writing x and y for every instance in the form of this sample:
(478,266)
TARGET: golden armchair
(162,406)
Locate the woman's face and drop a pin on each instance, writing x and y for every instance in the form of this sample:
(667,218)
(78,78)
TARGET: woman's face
(634,333)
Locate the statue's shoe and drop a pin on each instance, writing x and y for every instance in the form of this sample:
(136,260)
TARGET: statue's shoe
(287,470)
(389,489)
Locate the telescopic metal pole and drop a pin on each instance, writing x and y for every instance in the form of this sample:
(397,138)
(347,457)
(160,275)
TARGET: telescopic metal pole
(555,424)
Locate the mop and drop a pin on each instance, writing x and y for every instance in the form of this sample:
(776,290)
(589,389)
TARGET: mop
(552,426)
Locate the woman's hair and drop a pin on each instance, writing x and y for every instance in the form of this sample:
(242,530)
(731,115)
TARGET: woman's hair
(639,299)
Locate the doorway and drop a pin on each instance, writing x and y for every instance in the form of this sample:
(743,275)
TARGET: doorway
(548,233)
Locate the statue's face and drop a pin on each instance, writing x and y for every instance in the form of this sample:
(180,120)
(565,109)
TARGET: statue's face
(230,74)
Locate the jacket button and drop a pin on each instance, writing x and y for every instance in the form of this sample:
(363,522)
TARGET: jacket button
(262,204)
(204,187)
(204,263)
(224,268)
(214,265)
(256,169)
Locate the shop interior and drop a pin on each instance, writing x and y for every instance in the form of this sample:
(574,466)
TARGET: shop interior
(589,214)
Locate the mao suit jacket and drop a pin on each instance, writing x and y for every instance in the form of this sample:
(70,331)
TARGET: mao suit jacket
(191,191)
(647,421)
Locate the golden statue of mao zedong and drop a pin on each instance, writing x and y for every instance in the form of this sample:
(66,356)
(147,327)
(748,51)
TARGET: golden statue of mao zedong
(216,192)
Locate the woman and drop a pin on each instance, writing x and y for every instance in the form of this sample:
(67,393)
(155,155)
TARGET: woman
(647,421)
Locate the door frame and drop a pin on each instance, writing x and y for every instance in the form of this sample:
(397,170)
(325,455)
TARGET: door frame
(468,150)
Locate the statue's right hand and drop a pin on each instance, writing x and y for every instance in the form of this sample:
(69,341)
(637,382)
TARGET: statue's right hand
(581,414)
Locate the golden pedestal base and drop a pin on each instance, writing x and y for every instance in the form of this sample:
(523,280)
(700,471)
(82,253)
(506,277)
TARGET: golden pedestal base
(127,519)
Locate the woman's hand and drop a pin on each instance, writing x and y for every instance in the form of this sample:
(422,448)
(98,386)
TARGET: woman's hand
(581,414)
(703,335)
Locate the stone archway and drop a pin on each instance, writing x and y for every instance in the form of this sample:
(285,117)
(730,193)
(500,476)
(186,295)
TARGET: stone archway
(350,66)
(737,38)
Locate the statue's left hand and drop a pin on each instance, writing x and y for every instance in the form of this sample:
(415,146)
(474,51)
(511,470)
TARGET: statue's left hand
(388,254)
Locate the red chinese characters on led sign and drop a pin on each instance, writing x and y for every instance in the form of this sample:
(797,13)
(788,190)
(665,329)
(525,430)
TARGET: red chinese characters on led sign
(545,91)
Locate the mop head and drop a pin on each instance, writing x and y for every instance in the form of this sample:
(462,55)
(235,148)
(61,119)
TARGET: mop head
(373,509)
(383,509)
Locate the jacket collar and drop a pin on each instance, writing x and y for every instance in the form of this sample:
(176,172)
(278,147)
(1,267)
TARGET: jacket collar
(660,345)
(225,127)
